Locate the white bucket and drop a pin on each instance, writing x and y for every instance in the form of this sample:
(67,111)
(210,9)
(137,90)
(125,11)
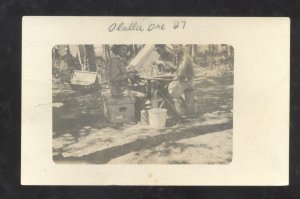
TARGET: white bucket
(157,117)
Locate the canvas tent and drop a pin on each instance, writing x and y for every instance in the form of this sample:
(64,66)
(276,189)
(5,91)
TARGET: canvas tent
(143,60)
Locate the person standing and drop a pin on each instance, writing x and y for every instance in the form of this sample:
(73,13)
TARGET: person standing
(181,89)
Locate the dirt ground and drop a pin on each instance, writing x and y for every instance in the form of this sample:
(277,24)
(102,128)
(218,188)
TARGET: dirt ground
(82,135)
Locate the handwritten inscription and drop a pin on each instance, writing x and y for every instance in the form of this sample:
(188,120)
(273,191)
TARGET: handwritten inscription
(135,26)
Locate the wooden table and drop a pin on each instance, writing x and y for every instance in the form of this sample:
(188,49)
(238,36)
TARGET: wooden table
(159,85)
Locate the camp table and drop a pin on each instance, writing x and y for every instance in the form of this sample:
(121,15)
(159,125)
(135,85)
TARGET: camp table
(157,85)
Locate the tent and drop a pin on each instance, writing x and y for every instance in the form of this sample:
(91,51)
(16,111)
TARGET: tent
(143,60)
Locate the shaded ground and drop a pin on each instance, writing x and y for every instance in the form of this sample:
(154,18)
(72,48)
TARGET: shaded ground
(82,135)
(187,148)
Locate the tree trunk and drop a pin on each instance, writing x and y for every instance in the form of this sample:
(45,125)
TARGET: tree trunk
(90,57)
(195,51)
(136,50)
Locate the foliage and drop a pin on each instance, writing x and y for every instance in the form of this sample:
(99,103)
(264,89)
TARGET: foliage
(207,64)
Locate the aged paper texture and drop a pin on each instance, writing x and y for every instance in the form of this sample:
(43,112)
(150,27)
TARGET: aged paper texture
(155,101)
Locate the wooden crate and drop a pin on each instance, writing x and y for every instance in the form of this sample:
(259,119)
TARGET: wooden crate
(119,109)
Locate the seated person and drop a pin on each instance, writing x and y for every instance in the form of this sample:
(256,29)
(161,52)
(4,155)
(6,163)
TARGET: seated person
(118,74)
(119,77)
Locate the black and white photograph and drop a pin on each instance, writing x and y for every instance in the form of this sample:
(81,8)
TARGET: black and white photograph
(142,103)
(155,101)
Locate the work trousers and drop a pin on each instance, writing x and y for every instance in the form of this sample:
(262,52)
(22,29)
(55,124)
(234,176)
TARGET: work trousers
(182,93)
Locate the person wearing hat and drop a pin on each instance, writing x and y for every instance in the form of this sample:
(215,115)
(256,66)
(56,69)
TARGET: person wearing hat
(183,80)
(119,78)
(117,71)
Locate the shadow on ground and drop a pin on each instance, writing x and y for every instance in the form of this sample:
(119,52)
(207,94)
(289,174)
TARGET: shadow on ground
(104,156)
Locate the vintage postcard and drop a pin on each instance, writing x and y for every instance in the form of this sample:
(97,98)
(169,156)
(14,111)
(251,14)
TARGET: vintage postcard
(155,101)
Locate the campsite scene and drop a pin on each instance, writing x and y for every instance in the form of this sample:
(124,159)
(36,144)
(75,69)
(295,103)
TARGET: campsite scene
(142,103)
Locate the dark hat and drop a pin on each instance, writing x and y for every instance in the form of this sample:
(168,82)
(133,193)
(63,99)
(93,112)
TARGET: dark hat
(115,48)
(160,46)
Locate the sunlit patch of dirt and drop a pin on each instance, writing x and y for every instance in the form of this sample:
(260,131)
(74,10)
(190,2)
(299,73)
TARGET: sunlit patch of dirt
(82,135)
